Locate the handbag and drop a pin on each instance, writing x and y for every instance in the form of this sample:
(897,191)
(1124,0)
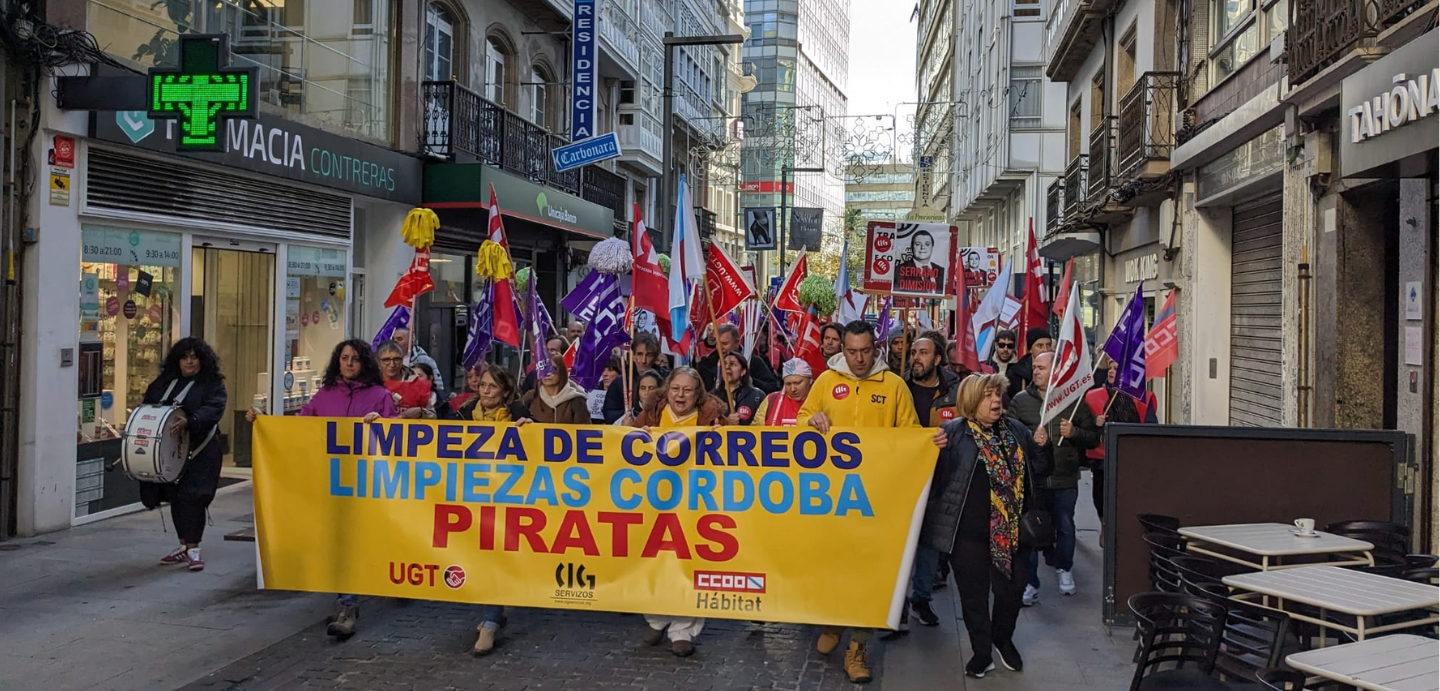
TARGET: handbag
(1037,526)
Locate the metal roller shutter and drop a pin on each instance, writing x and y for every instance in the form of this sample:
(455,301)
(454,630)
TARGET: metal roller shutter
(1256,284)
(116,181)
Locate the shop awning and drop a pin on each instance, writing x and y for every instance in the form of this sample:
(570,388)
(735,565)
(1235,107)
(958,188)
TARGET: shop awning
(467,186)
(1064,245)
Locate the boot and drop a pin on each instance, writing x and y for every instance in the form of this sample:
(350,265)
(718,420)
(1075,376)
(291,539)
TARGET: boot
(653,636)
(342,623)
(829,639)
(485,644)
(855,664)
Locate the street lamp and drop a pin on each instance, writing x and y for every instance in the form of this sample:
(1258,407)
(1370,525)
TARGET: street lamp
(667,180)
(784,217)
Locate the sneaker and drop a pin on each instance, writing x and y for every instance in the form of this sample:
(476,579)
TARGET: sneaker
(1009,656)
(485,644)
(829,639)
(855,664)
(1031,596)
(979,665)
(342,623)
(682,648)
(192,556)
(653,636)
(1067,581)
(926,614)
(176,557)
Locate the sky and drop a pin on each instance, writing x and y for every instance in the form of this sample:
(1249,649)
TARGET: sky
(882,57)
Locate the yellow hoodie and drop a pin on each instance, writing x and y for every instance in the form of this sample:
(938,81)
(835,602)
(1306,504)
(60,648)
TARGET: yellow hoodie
(879,399)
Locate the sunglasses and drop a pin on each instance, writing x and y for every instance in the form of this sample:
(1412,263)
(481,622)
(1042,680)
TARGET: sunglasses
(1006,346)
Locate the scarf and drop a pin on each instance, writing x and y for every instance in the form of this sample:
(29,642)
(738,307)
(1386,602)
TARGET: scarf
(668,419)
(500,414)
(1004,465)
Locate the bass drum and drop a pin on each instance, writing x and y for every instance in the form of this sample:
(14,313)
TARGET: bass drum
(150,452)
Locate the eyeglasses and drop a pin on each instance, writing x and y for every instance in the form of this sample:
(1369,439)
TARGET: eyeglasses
(1006,346)
(391,360)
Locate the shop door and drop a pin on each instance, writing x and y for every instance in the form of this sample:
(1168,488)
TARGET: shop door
(232,306)
(1256,282)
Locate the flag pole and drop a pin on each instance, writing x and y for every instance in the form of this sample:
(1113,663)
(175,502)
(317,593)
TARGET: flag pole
(715,329)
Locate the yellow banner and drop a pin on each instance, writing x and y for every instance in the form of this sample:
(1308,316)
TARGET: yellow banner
(767,524)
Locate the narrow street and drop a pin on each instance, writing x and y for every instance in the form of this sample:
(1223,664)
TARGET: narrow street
(89,608)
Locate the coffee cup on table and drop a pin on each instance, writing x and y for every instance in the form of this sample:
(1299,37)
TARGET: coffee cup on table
(1306,526)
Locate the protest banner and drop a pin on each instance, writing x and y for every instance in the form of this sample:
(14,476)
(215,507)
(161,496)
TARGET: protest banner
(766,524)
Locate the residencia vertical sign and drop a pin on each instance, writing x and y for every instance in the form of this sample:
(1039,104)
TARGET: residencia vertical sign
(582,93)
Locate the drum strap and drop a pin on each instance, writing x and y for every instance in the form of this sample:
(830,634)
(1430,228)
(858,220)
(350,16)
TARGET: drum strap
(166,398)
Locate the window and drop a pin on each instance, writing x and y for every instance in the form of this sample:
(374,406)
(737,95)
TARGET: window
(1240,32)
(1230,13)
(1233,54)
(1025,92)
(1125,62)
(1097,99)
(1073,132)
(1026,8)
(540,97)
(439,43)
(495,54)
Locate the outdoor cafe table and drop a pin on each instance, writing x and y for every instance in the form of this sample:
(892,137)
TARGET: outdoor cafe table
(1401,662)
(1270,543)
(1343,591)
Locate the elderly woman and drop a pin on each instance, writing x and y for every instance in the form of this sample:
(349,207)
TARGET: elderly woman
(682,402)
(984,480)
(494,399)
(781,408)
(414,397)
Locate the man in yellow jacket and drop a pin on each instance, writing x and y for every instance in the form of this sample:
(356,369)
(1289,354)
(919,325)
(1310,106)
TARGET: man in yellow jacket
(858,391)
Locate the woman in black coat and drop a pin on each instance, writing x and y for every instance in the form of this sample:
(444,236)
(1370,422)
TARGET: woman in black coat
(986,477)
(740,393)
(190,362)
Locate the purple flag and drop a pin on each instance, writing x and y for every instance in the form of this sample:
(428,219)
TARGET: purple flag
(540,328)
(586,298)
(481,330)
(886,322)
(1126,346)
(399,319)
(604,332)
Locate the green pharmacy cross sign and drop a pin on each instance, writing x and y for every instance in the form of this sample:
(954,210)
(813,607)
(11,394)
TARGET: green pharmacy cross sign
(203,92)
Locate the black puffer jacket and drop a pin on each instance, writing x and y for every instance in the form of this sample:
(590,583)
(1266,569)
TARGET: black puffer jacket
(953,472)
(204,406)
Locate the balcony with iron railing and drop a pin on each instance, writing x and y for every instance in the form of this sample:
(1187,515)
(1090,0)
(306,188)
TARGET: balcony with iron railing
(1102,160)
(1075,186)
(1054,206)
(1147,127)
(1321,32)
(460,125)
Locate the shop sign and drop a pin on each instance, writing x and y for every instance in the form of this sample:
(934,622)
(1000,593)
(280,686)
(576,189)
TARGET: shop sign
(1257,158)
(275,146)
(203,92)
(1382,101)
(314,261)
(1145,267)
(551,207)
(129,247)
(90,296)
(582,66)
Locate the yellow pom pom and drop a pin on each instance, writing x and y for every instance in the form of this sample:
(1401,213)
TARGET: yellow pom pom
(493,262)
(419,228)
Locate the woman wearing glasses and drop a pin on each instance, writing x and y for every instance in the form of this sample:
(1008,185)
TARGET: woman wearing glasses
(682,402)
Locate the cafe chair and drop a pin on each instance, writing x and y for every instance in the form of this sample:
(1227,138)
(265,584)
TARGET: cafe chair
(1282,680)
(1164,548)
(1420,561)
(1422,574)
(1179,642)
(1255,638)
(1157,523)
(1388,538)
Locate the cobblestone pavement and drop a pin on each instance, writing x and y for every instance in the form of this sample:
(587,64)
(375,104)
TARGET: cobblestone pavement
(426,645)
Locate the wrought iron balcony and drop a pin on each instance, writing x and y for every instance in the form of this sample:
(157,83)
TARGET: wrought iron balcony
(1147,123)
(459,121)
(1075,185)
(1054,205)
(606,189)
(1323,31)
(1102,159)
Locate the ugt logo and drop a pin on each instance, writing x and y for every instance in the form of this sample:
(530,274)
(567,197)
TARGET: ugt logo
(570,576)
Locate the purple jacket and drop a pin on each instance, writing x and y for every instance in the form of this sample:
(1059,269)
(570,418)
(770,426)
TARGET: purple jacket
(348,399)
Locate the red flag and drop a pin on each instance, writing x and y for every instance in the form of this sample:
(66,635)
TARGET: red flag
(808,347)
(505,327)
(964,333)
(1161,345)
(415,282)
(570,355)
(725,283)
(650,287)
(789,296)
(1037,310)
(1063,296)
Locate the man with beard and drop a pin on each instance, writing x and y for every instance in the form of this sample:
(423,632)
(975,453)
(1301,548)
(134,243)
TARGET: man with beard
(933,388)
(1022,374)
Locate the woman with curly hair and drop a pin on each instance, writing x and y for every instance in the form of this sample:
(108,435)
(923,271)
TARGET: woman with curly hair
(190,378)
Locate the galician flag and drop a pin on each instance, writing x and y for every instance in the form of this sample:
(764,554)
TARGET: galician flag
(686,266)
(987,315)
(1126,346)
(850,304)
(1072,371)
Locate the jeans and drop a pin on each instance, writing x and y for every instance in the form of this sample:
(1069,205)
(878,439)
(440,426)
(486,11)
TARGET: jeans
(922,579)
(347,600)
(1061,505)
(490,616)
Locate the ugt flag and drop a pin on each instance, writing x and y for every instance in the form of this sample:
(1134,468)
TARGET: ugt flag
(1072,371)
(1126,346)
